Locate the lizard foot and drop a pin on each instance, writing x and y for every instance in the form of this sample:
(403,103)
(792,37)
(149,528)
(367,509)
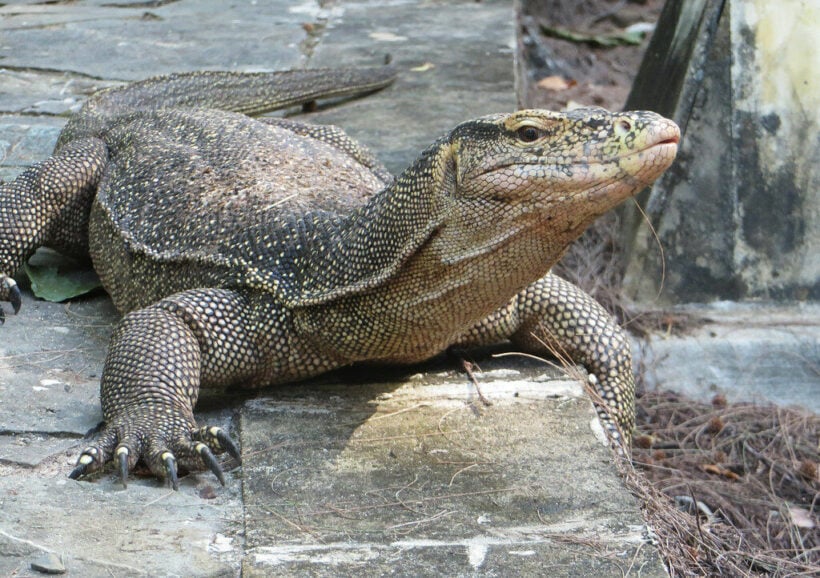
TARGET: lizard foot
(163,447)
(9,291)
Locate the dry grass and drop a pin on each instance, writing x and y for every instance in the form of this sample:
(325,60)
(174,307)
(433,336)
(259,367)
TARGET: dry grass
(731,490)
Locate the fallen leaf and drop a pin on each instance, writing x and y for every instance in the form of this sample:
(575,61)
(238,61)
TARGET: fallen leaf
(809,469)
(555,83)
(423,67)
(57,282)
(207,493)
(624,37)
(801,517)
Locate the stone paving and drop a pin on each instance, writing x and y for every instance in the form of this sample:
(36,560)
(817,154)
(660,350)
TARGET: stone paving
(383,471)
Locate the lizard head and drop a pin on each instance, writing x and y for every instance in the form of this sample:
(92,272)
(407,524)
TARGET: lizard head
(586,156)
(549,172)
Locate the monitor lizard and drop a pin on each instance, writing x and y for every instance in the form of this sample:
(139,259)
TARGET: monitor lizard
(254,251)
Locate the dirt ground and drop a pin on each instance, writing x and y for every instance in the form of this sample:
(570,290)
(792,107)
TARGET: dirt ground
(562,73)
(731,489)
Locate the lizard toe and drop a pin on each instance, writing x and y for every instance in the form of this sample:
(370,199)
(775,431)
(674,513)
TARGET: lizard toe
(94,457)
(208,458)
(162,462)
(15,297)
(170,463)
(86,463)
(190,450)
(218,441)
(122,462)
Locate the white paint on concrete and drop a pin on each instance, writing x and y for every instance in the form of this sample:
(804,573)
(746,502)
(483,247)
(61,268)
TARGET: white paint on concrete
(476,547)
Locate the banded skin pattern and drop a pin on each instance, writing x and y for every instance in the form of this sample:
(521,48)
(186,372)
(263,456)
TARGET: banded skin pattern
(249,252)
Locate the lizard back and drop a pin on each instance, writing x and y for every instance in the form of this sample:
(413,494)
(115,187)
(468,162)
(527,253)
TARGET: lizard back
(217,194)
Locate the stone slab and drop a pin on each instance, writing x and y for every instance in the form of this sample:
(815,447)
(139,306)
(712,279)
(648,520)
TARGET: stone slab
(30,450)
(25,141)
(448,73)
(135,40)
(415,476)
(100,530)
(51,358)
(747,352)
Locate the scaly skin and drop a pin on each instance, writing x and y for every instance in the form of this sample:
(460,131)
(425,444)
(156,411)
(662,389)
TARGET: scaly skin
(251,253)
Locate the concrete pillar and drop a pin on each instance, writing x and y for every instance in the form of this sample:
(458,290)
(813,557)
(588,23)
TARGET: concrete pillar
(738,215)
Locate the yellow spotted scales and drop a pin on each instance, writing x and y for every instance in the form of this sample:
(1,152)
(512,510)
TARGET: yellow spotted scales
(251,252)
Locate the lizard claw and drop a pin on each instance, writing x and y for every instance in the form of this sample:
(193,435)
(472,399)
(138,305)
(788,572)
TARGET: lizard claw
(171,470)
(208,457)
(163,447)
(14,296)
(219,441)
(9,291)
(87,458)
(122,462)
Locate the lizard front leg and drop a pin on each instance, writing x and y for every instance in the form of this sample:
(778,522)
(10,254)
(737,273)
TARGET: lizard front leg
(48,204)
(159,357)
(554,317)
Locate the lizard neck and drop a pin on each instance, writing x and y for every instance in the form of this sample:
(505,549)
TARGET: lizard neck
(440,292)
(428,267)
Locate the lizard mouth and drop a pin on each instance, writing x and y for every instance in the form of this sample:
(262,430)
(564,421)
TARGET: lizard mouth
(663,152)
(672,142)
(669,140)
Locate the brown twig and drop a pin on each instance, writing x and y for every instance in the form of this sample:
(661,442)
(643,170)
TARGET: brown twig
(468,369)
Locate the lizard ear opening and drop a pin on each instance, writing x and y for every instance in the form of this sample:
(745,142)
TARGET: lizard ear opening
(449,177)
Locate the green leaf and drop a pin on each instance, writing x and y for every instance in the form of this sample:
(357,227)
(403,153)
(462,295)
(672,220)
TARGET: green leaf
(61,282)
(624,37)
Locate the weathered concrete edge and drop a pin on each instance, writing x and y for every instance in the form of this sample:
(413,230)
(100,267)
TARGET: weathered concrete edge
(475,548)
(767,353)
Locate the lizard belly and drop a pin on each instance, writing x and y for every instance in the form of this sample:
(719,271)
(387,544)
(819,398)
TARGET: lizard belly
(427,306)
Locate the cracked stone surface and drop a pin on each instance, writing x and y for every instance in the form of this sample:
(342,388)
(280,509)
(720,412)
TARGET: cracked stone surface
(400,471)
(411,474)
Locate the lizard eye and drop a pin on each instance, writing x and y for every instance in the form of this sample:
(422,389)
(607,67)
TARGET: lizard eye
(528,134)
